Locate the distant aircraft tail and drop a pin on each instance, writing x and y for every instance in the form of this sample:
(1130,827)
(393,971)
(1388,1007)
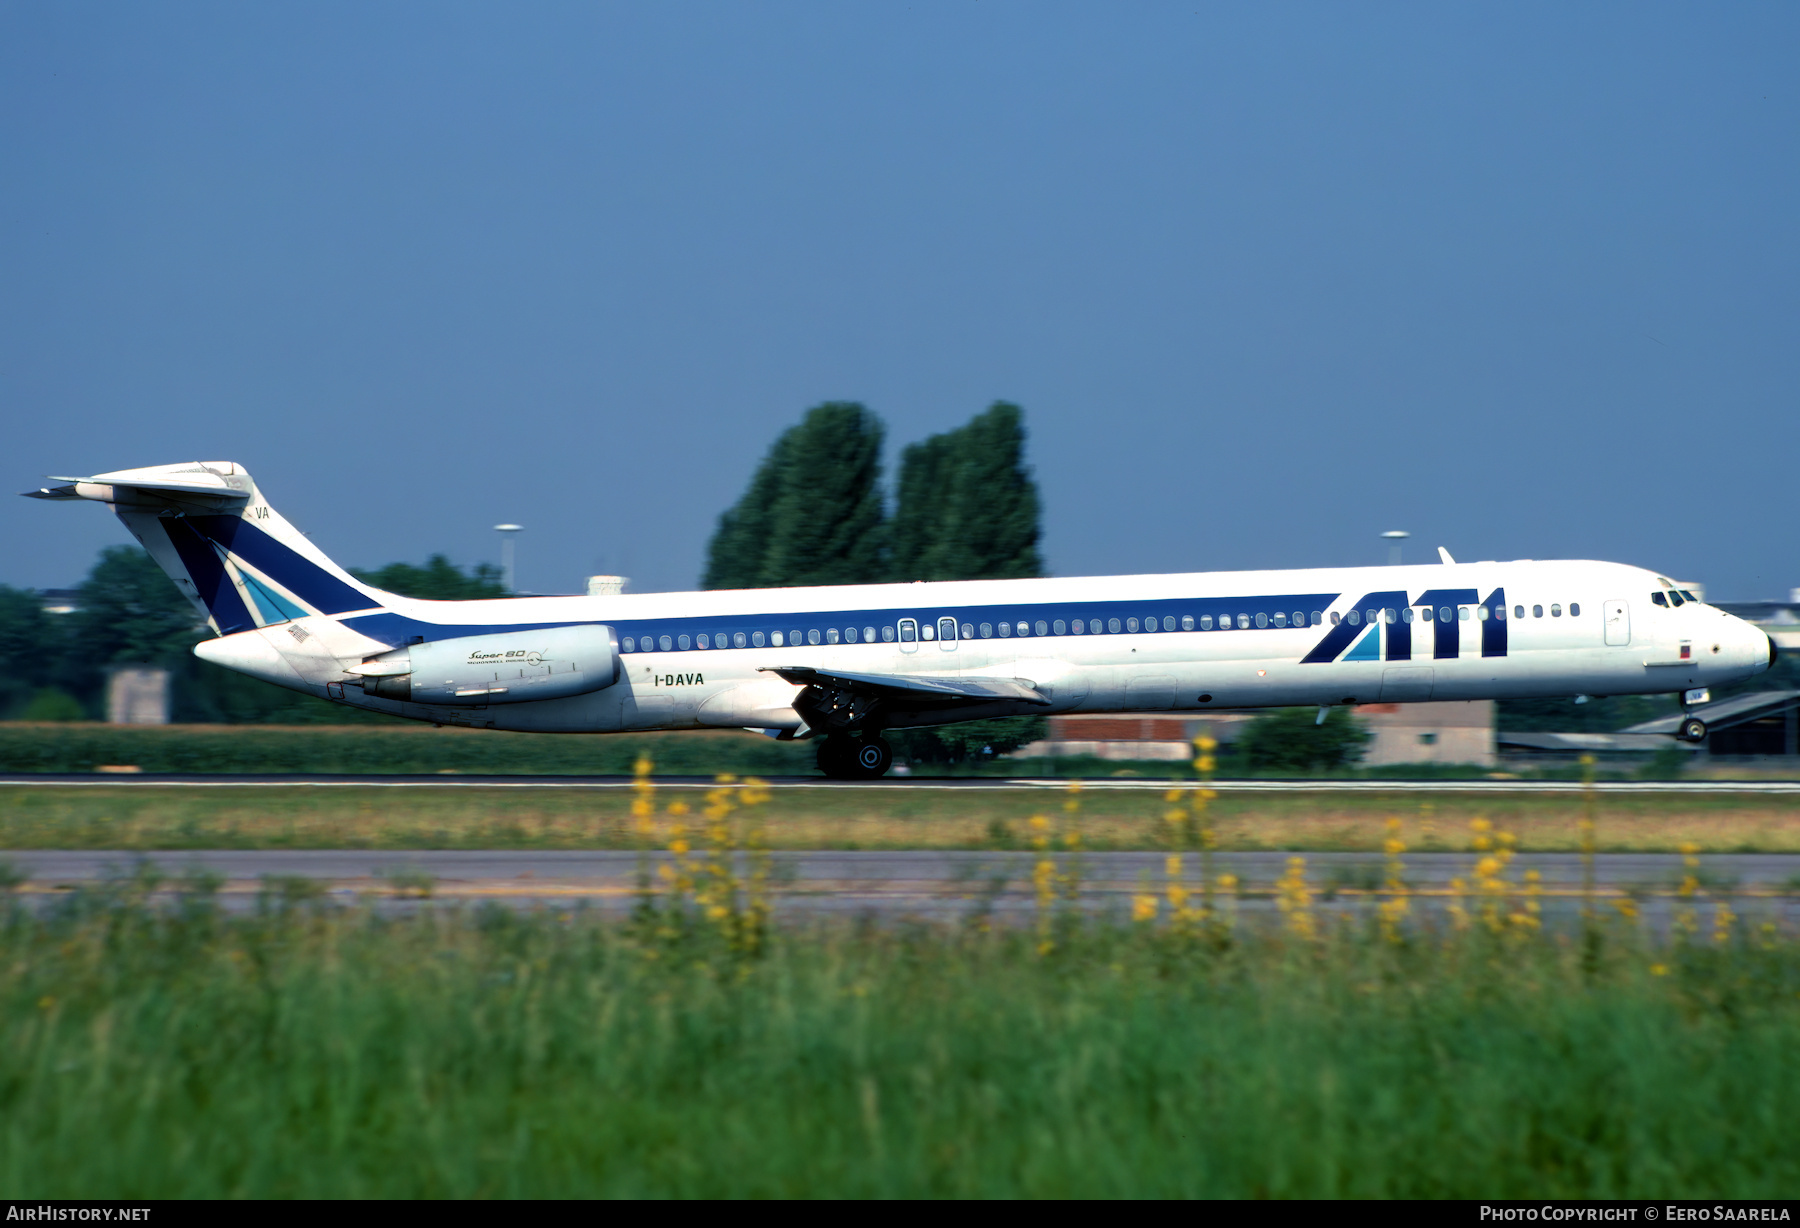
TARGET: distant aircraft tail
(235,557)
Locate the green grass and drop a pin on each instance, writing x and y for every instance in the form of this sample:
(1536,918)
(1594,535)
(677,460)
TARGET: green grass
(899,817)
(303,1052)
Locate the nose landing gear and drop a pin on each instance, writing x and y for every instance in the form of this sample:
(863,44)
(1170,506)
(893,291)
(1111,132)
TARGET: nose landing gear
(842,758)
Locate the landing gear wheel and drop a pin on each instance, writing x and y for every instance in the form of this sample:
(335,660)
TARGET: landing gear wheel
(837,757)
(873,758)
(1693,729)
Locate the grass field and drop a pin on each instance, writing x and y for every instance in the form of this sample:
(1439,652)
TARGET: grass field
(886,818)
(181,1053)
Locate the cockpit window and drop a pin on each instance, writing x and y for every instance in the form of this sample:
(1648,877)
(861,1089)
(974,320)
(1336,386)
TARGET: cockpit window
(1675,597)
(1657,599)
(1688,595)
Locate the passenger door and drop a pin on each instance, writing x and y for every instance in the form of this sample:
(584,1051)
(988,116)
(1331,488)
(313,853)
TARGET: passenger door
(1617,617)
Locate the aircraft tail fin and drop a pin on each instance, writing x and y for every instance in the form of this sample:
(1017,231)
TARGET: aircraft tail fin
(235,557)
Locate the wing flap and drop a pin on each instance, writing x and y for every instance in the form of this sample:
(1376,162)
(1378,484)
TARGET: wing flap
(949,690)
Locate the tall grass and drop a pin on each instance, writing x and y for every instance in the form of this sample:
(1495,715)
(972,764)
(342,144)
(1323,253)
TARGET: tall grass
(302,1051)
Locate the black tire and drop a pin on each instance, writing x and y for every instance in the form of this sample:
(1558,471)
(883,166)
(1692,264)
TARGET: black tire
(1693,729)
(872,758)
(836,758)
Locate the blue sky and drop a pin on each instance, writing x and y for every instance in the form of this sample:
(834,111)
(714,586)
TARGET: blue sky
(1268,279)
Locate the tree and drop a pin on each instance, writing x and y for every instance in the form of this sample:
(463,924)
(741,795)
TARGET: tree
(31,649)
(967,507)
(813,512)
(438,580)
(1292,740)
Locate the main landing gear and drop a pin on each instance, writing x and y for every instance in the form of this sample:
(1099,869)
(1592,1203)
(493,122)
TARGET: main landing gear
(842,758)
(1693,729)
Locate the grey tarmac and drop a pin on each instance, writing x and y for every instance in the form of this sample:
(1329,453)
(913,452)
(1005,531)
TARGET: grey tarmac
(924,885)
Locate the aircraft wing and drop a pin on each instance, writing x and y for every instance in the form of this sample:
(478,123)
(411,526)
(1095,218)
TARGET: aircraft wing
(950,691)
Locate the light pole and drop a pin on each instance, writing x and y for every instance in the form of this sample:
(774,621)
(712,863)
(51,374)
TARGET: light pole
(1394,538)
(507,532)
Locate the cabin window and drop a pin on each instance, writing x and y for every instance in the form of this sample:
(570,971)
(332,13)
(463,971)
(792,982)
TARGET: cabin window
(1024,628)
(1077,627)
(1005,631)
(1574,609)
(777,639)
(1537,611)
(756,639)
(1445,616)
(1042,628)
(887,635)
(706,642)
(685,643)
(1299,618)
(1354,618)
(1280,618)
(1518,611)
(1243,622)
(987,631)
(1462,613)
(1392,615)
(1318,618)
(795,640)
(1059,627)
(927,632)
(812,637)
(738,640)
(947,629)
(1406,615)
(630,644)
(968,631)
(1481,613)
(1425,613)
(665,642)
(1499,612)
(1334,617)
(1168,622)
(831,635)
(1150,623)
(1556,610)
(869,635)
(1131,624)
(909,631)
(1206,622)
(1187,622)
(1112,625)
(849,635)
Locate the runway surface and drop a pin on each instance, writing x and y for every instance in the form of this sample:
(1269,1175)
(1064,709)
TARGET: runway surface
(961,784)
(923,885)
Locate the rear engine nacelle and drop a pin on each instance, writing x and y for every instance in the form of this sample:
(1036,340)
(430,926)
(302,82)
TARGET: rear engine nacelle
(506,668)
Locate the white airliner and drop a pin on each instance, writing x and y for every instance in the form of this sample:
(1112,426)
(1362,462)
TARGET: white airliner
(843,664)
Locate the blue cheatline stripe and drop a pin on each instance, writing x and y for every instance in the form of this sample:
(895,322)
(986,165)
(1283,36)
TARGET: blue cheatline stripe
(305,579)
(1022,621)
(1368,648)
(397,629)
(271,605)
(220,595)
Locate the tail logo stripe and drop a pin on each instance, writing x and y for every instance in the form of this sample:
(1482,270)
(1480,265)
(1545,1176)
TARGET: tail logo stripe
(305,579)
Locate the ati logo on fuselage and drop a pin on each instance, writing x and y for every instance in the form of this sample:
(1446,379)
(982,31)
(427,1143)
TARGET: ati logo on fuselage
(1445,615)
(680,679)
